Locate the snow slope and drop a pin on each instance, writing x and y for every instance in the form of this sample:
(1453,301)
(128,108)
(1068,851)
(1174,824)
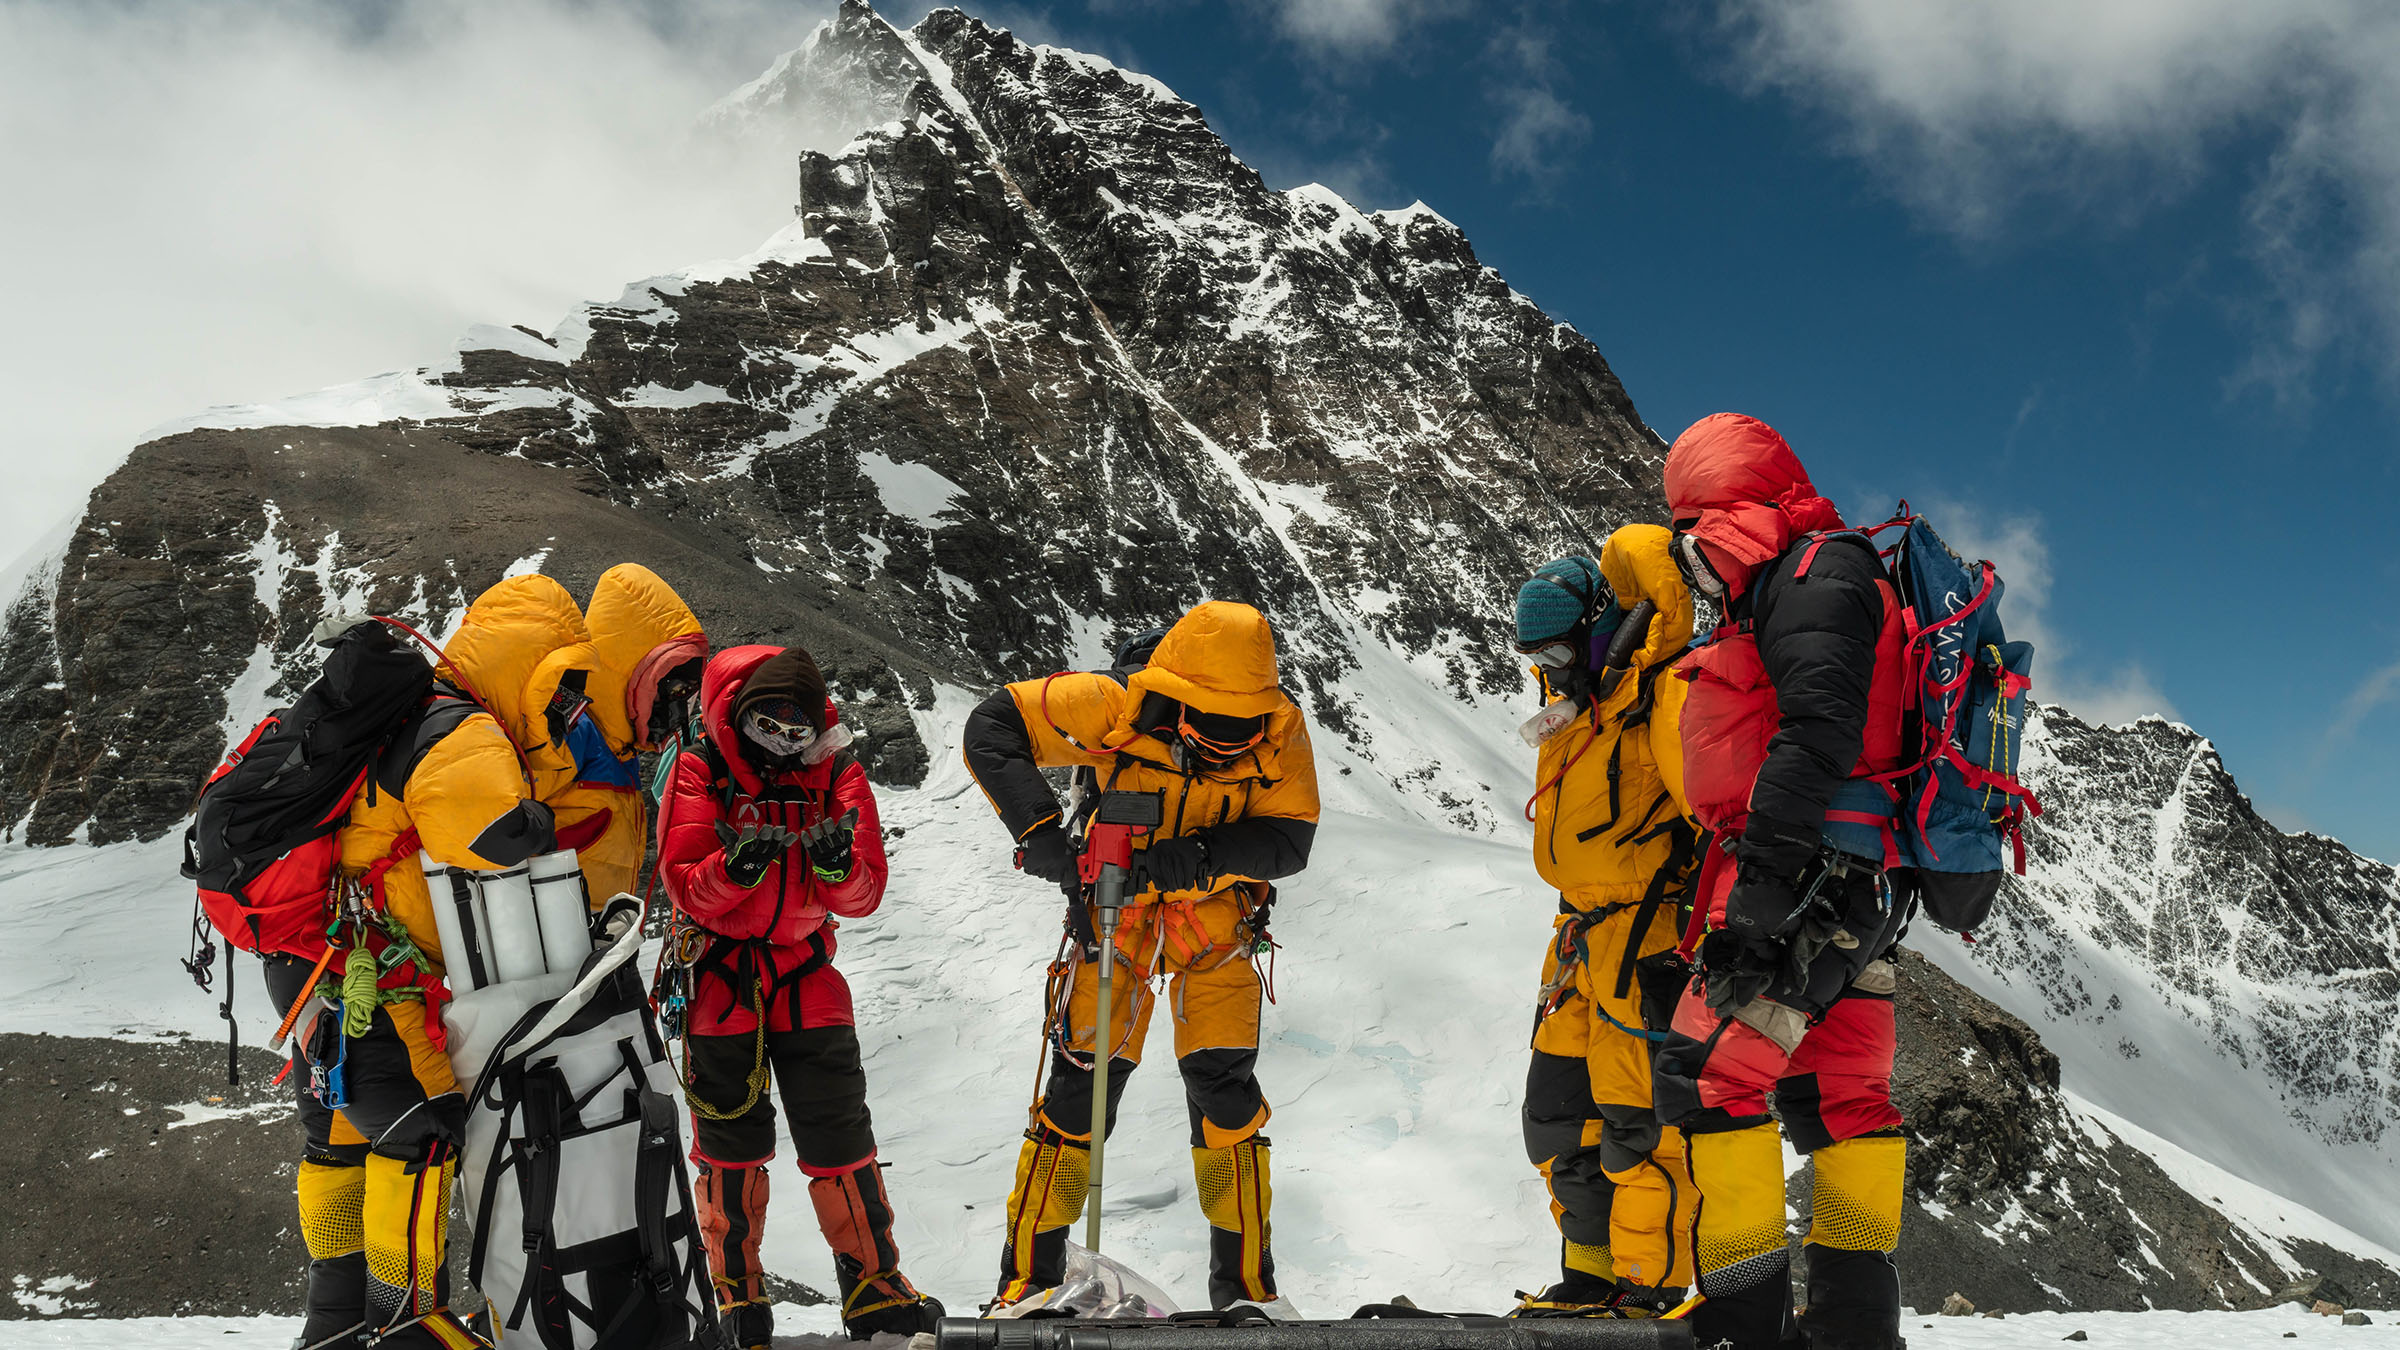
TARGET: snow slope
(2224,984)
(1391,1057)
(809,1329)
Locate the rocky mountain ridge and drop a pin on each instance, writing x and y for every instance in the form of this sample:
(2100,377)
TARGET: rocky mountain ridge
(1039,362)
(955,435)
(2224,982)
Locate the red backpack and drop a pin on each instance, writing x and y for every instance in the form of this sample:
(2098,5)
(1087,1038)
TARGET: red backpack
(264,840)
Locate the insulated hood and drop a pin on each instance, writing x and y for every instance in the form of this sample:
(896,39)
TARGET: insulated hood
(633,615)
(504,638)
(722,685)
(1736,484)
(1220,658)
(1639,566)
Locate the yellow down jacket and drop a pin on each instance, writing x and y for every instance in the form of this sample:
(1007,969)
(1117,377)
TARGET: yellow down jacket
(1219,658)
(579,721)
(1616,773)
(466,788)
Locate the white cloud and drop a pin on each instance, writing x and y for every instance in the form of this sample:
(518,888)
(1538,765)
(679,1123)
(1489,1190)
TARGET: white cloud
(226,202)
(1357,26)
(1538,129)
(2379,688)
(1983,112)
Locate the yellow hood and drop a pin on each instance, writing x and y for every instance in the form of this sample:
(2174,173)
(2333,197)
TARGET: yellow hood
(633,612)
(1220,658)
(502,641)
(1640,565)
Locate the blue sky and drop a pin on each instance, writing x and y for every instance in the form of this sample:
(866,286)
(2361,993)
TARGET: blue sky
(2125,364)
(2114,285)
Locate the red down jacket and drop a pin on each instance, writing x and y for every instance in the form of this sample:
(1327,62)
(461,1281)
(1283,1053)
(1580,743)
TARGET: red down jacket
(775,937)
(1796,702)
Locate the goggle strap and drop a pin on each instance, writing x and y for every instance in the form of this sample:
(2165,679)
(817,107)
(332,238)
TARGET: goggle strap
(1183,726)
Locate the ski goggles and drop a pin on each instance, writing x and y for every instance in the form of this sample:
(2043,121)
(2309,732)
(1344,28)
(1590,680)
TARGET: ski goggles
(1550,655)
(1218,737)
(779,729)
(1692,560)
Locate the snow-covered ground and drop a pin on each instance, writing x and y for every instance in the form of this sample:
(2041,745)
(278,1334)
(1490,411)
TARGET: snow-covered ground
(1393,1057)
(798,1328)
(808,1328)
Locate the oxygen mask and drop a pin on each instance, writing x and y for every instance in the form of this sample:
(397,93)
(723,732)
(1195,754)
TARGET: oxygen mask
(671,708)
(1691,559)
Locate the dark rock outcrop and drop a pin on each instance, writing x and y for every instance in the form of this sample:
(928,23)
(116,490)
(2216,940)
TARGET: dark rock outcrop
(938,424)
(2020,1202)
(1040,361)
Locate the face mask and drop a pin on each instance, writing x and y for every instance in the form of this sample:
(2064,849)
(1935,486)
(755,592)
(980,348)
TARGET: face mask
(1692,560)
(670,710)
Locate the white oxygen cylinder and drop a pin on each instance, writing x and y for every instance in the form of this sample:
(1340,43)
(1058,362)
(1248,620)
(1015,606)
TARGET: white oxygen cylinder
(514,933)
(563,904)
(458,922)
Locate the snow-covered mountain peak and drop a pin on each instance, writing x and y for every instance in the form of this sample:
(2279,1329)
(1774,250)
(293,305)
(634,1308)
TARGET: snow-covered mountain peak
(1039,361)
(853,72)
(2201,970)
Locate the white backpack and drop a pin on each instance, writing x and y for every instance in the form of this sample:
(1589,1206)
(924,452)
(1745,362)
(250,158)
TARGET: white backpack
(584,1231)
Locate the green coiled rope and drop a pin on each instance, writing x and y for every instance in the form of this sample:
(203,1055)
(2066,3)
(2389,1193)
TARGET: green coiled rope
(359,999)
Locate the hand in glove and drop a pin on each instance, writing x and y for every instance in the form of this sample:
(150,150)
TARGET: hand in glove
(828,845)
(1743,957)
(1048,853)
(1762,911)
(1175,864)
(750,853)
(1730,982)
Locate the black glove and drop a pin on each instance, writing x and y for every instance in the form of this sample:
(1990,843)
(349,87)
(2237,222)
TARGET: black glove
(1179,864)
(1744,957)
(1047,852)
(828,845)
(1728,988)
(1762,911)
(749,854)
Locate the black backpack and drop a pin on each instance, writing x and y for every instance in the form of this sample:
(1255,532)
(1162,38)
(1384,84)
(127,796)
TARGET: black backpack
(261,846)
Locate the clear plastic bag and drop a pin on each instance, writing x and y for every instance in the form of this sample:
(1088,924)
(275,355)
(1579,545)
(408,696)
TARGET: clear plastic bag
(1096,1286)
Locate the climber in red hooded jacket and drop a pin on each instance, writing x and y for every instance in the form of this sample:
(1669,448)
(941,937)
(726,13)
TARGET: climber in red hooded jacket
(768,830)
(1795,705)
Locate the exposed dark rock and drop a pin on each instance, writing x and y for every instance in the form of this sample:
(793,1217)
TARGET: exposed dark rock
(154,1212)
(2017,1202)
(2154,882)
(1040,362)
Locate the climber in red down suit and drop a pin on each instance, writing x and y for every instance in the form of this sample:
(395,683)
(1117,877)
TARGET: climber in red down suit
(767,832)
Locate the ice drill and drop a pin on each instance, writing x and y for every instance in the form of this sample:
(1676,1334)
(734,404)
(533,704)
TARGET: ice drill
(1106,869)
